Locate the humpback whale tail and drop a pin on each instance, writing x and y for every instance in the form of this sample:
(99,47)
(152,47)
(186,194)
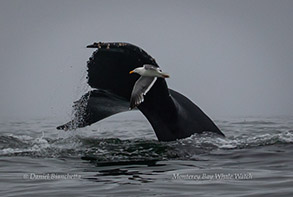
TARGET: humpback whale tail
(172,115)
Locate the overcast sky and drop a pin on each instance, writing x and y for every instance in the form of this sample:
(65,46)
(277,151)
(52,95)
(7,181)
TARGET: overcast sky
(230,57)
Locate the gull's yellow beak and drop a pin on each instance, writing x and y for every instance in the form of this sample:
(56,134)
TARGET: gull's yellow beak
(131,72)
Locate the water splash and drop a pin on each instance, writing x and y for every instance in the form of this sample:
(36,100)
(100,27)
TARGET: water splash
(114,149)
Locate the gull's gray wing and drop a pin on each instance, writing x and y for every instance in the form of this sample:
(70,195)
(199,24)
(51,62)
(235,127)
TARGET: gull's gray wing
(151,67)
(140,88)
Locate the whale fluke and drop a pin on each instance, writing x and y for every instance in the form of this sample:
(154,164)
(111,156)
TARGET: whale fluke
(172,115)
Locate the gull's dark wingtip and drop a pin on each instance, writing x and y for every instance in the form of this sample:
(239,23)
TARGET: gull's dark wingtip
(132,105)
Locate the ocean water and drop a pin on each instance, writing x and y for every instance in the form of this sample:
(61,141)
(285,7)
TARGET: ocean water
(120,156)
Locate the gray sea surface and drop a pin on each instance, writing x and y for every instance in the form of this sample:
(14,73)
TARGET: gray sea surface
(120,156)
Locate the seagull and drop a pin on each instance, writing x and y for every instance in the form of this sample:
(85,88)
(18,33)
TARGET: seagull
(149,75)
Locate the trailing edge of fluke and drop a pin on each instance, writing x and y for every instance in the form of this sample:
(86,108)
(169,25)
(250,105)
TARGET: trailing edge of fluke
(172,115)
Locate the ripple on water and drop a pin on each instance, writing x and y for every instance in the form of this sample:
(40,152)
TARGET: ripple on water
(114,149)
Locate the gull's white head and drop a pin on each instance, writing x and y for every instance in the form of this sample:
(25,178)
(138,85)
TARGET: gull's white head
(138,70)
